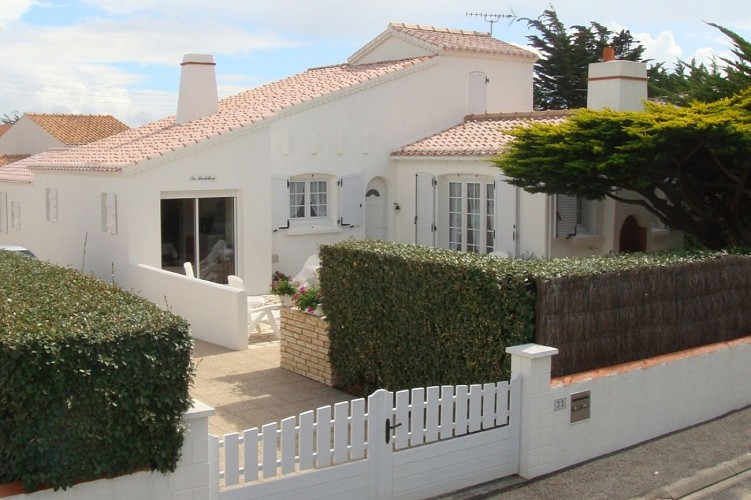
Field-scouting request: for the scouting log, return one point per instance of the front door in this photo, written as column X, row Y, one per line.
column 633, row 237
column 375, row 211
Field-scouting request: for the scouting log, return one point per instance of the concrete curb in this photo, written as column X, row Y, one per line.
column 703, row 479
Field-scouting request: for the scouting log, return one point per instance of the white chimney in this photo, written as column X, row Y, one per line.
column 618, row 85
column 198, row 95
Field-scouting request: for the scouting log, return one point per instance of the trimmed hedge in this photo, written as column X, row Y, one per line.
column 94, row 381
column 403, row 316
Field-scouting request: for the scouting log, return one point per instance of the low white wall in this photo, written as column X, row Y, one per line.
column 629, row 403
column 190, row 479
column 645, row 402
column 216, row 313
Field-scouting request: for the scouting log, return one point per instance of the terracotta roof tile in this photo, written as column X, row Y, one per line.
column 460, row 40
column 163, row 136
column 442, row 40
column 4, row 128
column 10, row 171
column 74, row 130
column 479, row 135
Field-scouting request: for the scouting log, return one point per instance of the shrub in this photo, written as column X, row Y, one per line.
column 94, row 381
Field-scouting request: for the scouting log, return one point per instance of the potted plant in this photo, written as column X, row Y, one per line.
column 283, row 286
column 309, row 300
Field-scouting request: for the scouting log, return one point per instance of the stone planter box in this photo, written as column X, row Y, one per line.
column 305, row 346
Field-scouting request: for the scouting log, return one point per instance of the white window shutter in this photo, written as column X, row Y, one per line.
column 351, row 199
column 565, row 216
column 279, row 202
column 478, row 93
column 51, row 204
column 425, row 209
column 505, row 217
column 109, row 213
column 3, row 213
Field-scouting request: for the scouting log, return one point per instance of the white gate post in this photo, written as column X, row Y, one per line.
column 531, row 363
column 192, row 477
column 380, row 458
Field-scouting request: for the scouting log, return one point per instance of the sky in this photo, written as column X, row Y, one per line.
column 122, row 57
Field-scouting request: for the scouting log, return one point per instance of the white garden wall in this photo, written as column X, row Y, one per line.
column 629, row 403
column 216, row 313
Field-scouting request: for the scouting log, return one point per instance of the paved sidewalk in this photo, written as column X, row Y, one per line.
column 249, row 389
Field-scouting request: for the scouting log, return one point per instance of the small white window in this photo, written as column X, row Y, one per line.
column 585, row 217
column 308, row 198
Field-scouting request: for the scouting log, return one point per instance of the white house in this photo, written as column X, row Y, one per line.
column 460, row 201
column 255, row 182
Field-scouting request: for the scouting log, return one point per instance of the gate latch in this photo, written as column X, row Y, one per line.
column 389, row 428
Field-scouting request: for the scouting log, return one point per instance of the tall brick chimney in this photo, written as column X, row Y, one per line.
column 198, row 95
column 618, row 85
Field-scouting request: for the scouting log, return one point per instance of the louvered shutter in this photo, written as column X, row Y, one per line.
column 351, row 198
column 477, row 93
column 425, row 209
column 565, row 216
column 279, row 202
column 505, row 217
column 3, row 213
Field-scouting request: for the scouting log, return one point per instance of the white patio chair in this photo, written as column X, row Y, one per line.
column 189, row 270
column 258, row 313
column 308, row 275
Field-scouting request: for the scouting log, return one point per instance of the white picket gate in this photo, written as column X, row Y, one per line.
column 412, row 444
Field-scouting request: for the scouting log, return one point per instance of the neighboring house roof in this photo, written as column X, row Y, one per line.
column 479, row 135
column 442, row 40
column 74, row 130
column 4, row 128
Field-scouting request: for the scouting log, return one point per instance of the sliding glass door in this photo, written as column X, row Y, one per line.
column 200, row 231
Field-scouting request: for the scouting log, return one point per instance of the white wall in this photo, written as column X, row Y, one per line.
column 25, row 137
column 216, row 313
column 189, row 480
column 630, row 403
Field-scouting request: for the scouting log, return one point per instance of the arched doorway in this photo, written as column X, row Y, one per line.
column 633, row 237
column 375, row 210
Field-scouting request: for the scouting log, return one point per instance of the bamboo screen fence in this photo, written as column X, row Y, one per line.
column 607, row 319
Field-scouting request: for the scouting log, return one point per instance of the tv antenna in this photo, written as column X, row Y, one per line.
column 490, row 18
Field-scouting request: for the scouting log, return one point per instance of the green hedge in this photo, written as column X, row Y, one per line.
column 94, row 381
column 404, row 316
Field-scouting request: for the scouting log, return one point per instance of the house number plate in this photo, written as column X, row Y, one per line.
column 559, row 404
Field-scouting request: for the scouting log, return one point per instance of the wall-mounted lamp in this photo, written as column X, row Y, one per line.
column 397, row 207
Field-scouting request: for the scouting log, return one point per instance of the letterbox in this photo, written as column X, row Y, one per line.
column 580, row 404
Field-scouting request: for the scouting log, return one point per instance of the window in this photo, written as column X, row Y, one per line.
column 471, row 206
column 308, row 199
column 585, row 217
column 200, row 231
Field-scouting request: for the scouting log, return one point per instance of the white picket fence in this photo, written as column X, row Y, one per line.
column 371, row 450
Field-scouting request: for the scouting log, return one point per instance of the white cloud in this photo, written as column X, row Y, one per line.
column 663, row 48
column 12, row 10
